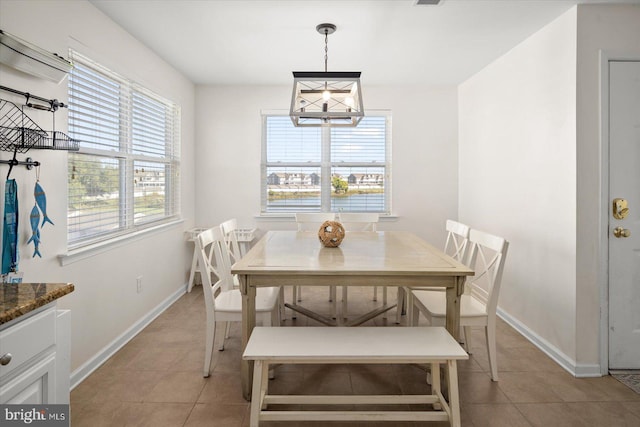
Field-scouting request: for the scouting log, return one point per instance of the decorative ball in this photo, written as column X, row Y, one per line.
column 331, row 234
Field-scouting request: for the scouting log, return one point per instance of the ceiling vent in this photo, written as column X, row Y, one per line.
column 427, row 2
column 24, row 56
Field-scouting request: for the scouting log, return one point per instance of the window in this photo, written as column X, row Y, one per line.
column 126, row 175
column 326, row 169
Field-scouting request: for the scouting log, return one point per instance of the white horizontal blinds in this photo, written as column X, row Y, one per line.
column 358, row 167
column 148, row 126
column 365, row 143
column 289, row 144
column 292, row 176
column 133, row 136
column 342, row 169
column 94, row 113
column 95, row 196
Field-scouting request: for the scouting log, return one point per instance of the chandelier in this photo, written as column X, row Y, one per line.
column 329, row 99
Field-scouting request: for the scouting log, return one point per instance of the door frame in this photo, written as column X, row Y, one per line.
column 603, row 273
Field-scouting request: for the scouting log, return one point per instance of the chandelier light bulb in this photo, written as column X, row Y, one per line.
column 326, row 95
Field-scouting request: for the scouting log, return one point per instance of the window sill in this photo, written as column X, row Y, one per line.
column 287, row 217
column 88, row 251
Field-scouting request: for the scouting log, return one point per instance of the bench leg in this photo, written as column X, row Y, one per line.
column 260, row 381
column 434, row 378
column 266, row 373
column 454, row 398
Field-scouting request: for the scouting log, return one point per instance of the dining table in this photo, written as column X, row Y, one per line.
column 383, row 258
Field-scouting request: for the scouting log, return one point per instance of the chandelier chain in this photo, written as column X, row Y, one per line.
column 326, row 48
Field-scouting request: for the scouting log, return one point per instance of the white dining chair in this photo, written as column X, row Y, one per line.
column 478, row 306
column 234, row 254
column 356, row 221
column 457, row 240
column 223, row 301
column 230, row 228
column 311, row 222
column 455, row 246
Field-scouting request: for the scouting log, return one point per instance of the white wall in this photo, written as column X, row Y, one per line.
column 424, row 154
column 105, row 303
column 615, row 30
column 517, row 172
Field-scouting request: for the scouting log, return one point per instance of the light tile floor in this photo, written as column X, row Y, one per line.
column 156, row 379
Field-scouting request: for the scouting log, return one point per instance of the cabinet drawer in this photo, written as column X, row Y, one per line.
column 27, row 339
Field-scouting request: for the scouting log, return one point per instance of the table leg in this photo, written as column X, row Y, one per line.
column 248, row 323
column 453, row 307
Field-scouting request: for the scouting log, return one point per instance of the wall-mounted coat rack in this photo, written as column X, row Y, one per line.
column 28, row 163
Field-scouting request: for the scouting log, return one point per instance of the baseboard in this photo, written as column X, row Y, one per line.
column 109, row 350
column 577, row 370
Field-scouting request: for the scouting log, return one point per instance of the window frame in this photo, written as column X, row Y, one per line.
column 133, row 98
column 325, row 165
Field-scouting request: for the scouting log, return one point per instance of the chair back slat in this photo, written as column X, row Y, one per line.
column 487, row 257
column 311, row 221
column 206, row 244
column 223, row 259
column 229, row 229
column 457, row 240
column 359, row 221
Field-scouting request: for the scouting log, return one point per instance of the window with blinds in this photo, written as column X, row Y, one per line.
column 126, row 175
column 326, row 169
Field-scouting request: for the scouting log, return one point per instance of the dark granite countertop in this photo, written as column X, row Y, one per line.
column 18, row 299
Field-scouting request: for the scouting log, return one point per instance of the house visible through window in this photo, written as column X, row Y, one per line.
column 323, row 169
column 125, row 176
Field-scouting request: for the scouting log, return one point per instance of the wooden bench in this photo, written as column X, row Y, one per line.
column 371, row 345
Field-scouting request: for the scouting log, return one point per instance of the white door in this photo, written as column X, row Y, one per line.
column 624, row 183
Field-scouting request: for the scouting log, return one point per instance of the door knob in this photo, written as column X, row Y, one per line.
column 5, row 359
column 621, row 232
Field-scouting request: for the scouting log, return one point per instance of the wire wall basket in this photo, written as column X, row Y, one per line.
column 18, row 133
column 57, row 140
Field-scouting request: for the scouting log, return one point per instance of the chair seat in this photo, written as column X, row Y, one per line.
column 231, row 301
column 436, row 303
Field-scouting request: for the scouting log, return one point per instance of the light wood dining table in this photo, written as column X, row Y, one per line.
column 385, row 258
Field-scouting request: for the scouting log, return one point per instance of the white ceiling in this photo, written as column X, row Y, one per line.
column 391, row 42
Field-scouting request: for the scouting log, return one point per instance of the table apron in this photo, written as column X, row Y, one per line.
column 260, row 280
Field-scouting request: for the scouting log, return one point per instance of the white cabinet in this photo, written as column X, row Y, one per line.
column 35, row 385
column 34, row 355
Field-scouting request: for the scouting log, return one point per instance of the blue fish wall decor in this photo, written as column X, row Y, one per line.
column 35, row 233
column 41, row 200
